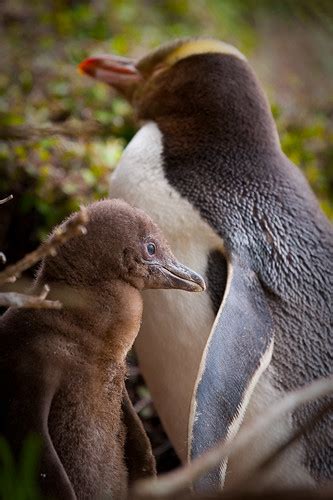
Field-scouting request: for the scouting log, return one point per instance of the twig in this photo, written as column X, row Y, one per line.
column 69, row 129
column 180, row 479
column 72, row 227
column 14, row 299
column 162, row 448
column 10, row 197
column 142, row 403
column 253, row 474
column 321, row 493
column 4, row 200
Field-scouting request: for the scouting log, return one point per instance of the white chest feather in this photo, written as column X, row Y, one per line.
column 176, row 324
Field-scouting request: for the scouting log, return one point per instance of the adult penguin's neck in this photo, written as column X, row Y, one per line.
column 216, row 101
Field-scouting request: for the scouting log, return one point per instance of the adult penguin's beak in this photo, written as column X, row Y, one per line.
column 173, row 274
column 119, row 72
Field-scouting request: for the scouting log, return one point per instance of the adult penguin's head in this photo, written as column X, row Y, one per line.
column 197, row 78
column 160, row 71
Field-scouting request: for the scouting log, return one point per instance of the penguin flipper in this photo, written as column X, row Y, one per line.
column 138, row 453
column 238, row 350
column 56, row 482
column 29, row 415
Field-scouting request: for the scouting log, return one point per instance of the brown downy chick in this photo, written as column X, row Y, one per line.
column 62, row 372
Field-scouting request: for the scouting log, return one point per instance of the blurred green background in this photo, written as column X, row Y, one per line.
column 62, row 133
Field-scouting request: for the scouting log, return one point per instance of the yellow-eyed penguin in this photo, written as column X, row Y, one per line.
column 208, row 166
column 62, row 372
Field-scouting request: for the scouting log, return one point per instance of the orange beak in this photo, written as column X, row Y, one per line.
column 119, row 72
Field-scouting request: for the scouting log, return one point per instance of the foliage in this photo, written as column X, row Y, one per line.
column 42, row 44
column 57, row 175
column 310, row 146
column 18, row 480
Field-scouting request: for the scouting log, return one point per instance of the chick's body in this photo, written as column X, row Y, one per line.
column 62, row 372
column 59, row 353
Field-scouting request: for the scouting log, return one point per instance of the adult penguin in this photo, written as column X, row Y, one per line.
column 208, row 167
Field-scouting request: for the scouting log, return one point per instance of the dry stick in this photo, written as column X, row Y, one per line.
column 69, row 129
column 10, row 197
column 14, row 299
column 2, row 255
column 180, row 479
column 71, row 228
column 142, row 403
column 253, row 475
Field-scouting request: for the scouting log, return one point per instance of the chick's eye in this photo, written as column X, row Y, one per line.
column 151, row 248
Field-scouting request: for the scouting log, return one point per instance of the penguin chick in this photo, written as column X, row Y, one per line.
column 62, row 372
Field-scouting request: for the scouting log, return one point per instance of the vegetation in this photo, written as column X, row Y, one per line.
column 18, row 481
column 51, row 174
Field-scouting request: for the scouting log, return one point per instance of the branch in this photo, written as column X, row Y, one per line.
column 181, row 479
column 14, row 299
column 142, row 403
column 69, row 129
column 10, row 197
column 3, row 259
column 69, row 229
column 253, row 474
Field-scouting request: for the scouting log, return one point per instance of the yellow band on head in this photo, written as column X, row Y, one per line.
column 201, row 46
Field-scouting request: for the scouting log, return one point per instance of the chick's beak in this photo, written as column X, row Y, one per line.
column 119, row 72
column 173, row 274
